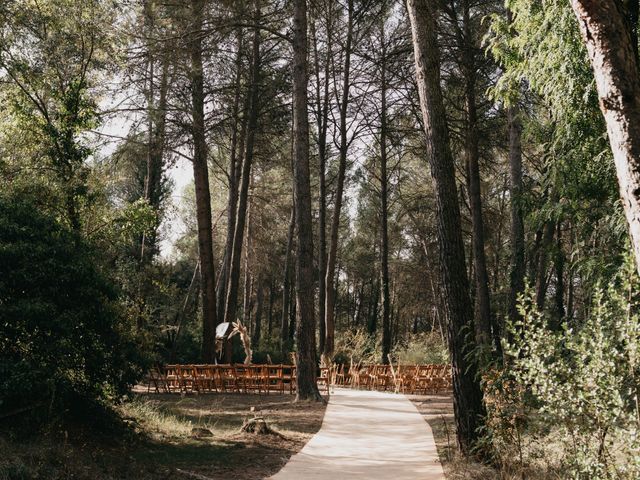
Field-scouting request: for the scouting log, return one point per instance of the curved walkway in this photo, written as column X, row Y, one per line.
column 367, row 435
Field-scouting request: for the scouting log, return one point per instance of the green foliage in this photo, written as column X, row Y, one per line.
column 50, row 55
column 357, row 345
column 584, row 380
column 362, row 347
column 572, row 176
column 542, row 46
column 61, row 333
column 421, row 348
column 267, row 346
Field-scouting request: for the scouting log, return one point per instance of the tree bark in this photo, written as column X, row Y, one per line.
column 232, row 203
column 248, row 279
column 252, row 125
column 612, row 54
column 322, row 115
column 518, row 266
column 270, row 311
column 246, row 301
column 156, row 117
column 201, row 180
column 384, row 213
column 342, row 168
column 305, row 321
column 468, row 406
column 372, row 317
column 257, row 322
column 285, row 344
column 482, row 295
column 559, row 264
column 543, row 261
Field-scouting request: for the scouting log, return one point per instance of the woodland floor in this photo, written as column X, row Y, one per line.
column 437, row 410
column 161, row 444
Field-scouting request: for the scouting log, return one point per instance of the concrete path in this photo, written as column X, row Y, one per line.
column 367, row 435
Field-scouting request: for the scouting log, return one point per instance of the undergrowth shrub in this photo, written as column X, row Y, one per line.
column 357, row 345
column 576, row 388
column 63, row 340
column 421, row 348
column 364, row 348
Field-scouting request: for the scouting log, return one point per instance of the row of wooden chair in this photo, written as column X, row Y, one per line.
column 260, row 379
column 412, row 379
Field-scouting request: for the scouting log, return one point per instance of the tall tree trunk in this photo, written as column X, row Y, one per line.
column 518, row 266
column 435, row 292
column 156, row 118
column 153, row 187
column 612, row 54
column 201, row 180
column 246, row 301
column 570, row 273
column 248, row 278
column 482, row 296
column 292, row 313
column 305, row 321
column 559, row 264
column 236, row 252
column 342, row 168
column 372, row 317
column 359, row 301
column 543, row 260
column 468, row 406
column 322, row 115
column 286, row 288
column 271, row 300
column 384, row 213
column 257, row 329
column 232, row 203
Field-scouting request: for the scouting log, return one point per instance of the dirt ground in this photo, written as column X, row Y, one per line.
column 170, row 439
column 437, row 410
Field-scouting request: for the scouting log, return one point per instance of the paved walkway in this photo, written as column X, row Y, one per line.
column 367, row 435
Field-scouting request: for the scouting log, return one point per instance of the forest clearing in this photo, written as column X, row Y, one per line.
column 312, row 239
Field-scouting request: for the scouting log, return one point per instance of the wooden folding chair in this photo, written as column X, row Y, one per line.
column 172, row 374
column 188, row 378
column 398, row 381
column 288, row 378
column 227, row 378
column 324, row 378
column 254, row 378
column 241, row 377
column 158, row 379
column 364, row 376
column 273, row 378
column 424, row 379
column 409, row 374
column 204, row 378
column 339, row 377
column 354, row 375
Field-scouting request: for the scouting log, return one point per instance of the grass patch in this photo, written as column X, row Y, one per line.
column 159, row 443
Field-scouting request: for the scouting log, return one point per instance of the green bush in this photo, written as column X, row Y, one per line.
column 582, row 383
column 357, row 345
column 61, row 335
column 421, row 348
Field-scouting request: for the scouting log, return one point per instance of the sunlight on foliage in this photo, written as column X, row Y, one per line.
column 582, row 381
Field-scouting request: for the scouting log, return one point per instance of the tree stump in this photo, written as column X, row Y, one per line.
column 198, row 432
column 258, row 426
